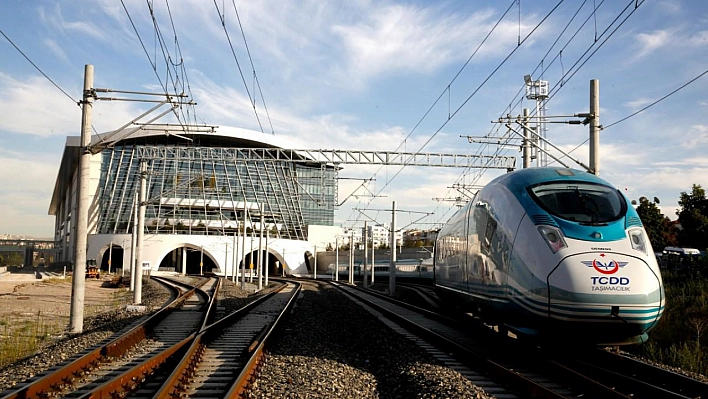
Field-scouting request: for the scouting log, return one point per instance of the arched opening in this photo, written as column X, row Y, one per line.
column 113, row 255
column 269, row 263
column 197, row 262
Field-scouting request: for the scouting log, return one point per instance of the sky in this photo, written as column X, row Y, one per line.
column 410, row 76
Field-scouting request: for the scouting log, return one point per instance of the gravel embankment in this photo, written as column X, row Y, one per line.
column 96, row 330
column 331, row 347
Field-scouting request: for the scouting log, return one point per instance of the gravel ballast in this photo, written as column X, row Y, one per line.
column 332, row 347
column 96, row 330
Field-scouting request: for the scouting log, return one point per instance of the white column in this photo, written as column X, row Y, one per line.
column 76, row 315
column 392, row 264
column 137, row 294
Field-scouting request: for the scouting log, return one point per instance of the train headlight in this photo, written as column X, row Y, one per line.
column 638, row 239
column 553, row 237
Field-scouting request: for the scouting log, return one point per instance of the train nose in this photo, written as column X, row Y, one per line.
column 605, row 287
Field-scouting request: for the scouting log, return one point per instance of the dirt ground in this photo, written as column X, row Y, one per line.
column 25, row 297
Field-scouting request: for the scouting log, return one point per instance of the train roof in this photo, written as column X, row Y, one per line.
column 520, row 179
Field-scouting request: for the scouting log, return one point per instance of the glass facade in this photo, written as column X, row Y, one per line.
column 207, row 190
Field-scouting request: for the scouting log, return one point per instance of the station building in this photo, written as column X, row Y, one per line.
column 209, row 196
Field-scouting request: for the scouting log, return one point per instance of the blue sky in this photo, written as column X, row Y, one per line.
column 361, row 75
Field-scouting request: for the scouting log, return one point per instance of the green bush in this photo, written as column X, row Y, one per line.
column 680, row 339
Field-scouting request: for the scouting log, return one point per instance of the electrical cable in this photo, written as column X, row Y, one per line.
column 578, row 64
column 478, row 88
column 657, row 101
column 446, row 89
column 253, row 68
column 222, row 18
column 38, row 69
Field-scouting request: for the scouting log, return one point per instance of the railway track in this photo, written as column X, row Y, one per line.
column 116, row 365
column 185, row 355
column 509, row 368
column 222, row 358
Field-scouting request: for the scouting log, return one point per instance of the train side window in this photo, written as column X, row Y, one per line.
column 489, row 233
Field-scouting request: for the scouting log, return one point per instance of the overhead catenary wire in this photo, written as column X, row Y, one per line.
column 446, row 89
column 479, row 87
column 78, row 103
column 39, row 69
column 582, row 60
column 153, row 63
column 253, row 68
column 566, row 76
column 184, row 70
column 655, row 102
column 172, row 75
column 520, row 43
column 222, row 19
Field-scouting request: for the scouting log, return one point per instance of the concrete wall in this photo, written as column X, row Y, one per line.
column 219, row 249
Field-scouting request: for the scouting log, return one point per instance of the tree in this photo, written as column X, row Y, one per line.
column 693, row 217
column 659, row 228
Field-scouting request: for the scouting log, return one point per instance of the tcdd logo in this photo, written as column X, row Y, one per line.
column 602, row 280
column 610, row 268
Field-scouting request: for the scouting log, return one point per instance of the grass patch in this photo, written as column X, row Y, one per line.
column 680, row 339
column 22, row 335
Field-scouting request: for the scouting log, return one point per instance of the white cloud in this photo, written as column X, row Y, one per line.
column 639, row 103
column 55, row 17
column 34, row 106
column 652, row 41
column 404, row 38
column 24, row 209
column 696, row 136
column 56, row 49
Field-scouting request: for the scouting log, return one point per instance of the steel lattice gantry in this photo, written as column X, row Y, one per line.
column 330, row 156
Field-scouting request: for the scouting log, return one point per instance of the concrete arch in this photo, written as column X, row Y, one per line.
column 115, row 254
column 271, row 256
column 187, row 256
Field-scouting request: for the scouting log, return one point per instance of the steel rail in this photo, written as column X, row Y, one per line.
column 43, row 386
column 126, row 382
column 177, row 384
column 473, row 357
column 257, row 350
column 641, row 379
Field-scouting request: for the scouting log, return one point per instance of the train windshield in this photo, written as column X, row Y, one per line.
column 582, row 202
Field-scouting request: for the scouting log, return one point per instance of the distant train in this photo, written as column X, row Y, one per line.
column 553, row 253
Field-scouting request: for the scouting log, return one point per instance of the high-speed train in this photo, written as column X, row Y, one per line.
column 552, row 253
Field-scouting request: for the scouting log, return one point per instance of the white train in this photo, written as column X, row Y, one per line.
column 553, row 253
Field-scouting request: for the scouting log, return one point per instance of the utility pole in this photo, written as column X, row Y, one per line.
column 260, row 254
column 137, row 294
column 267, row 257
column 133, row 243
column 235, row 255
column 373, row 261
column 243, row 246
column 366, row 254
column 351, row 257
column 595, row 126
column 534, row 137
column 78, row 285
column 527, row 138
column 392, row 264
